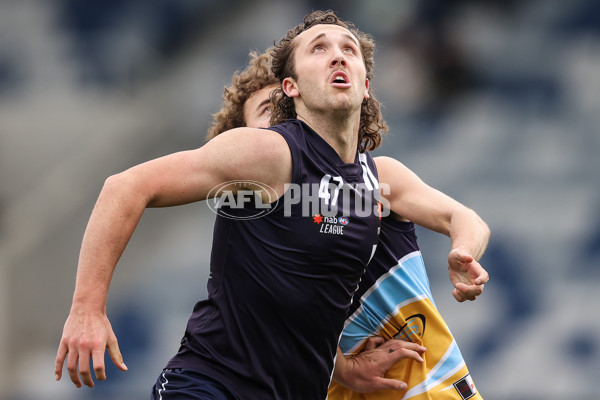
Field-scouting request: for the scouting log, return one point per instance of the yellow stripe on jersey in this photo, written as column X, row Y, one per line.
column 419, row 321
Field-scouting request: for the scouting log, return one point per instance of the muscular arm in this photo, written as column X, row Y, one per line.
column 411, row 198
column 241, row 154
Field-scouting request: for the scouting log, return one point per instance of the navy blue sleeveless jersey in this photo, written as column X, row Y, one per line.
column 281, row 285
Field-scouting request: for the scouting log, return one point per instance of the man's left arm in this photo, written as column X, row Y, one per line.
column 411, row 198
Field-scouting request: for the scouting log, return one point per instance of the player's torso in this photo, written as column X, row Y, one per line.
column 283, row 274
column 318, row 236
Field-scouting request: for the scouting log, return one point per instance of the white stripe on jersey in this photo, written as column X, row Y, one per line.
column 368, row 176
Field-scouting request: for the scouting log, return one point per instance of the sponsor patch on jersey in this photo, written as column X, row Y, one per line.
column 331, row 225
column 465, row 387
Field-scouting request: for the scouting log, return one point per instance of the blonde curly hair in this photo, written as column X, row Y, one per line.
column 256, row 76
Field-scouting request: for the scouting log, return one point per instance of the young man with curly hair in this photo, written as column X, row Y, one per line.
column 280, row 285
column 394, row 300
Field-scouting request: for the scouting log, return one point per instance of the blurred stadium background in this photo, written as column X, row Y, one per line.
column 496, row 103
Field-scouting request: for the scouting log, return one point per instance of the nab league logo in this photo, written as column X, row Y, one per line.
column 331, row 225
column 238, row 195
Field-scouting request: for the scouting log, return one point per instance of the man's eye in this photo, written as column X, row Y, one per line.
column 350, row 50
column 318, row 48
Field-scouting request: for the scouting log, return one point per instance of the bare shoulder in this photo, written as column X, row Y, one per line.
column 396, row 179
column 389, row 168
column 384, row 162
column 255, row 141
column 249, row 153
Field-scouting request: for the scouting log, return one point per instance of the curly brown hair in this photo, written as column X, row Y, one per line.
column 372, row 125
column 253, row 78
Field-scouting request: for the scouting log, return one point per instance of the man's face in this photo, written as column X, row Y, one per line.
column 331, row 74
column 257, row 109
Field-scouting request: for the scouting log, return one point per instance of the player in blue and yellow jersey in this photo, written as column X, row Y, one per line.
column 394, row 301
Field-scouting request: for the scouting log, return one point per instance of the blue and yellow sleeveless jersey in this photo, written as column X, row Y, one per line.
column 394, row 300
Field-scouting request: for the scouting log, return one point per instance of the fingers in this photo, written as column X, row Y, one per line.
column 457, row 296
column 374, row 342
column 484, row 277
column 61, row 355
column 98, row 363
column 479, row 275
column 397, row 344
column 468, row 278
column 469, row 290
column 368, row 368
column 78, row 363
column 84, row 367
column 464, row 292
column 403, row 349
column 86, row 336
column 72, row 367
column 391, row 384
column 115, row 355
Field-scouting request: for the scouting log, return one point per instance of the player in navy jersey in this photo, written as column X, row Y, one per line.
column 397, row 263
column 246, row 102
column 409, row 197
column 280, row 284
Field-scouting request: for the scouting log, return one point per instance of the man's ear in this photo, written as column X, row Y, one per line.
column 367, row 95
column 289, row 87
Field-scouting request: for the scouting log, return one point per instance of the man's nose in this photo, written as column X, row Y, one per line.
column 338, row 59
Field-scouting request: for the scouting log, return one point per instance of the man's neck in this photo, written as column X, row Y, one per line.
column 341, row 134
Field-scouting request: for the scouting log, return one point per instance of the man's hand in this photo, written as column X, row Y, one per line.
column 364, row 372
column 466, row 274
column 87, row 336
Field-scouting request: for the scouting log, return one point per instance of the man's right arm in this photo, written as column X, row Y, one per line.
column 241, row 154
